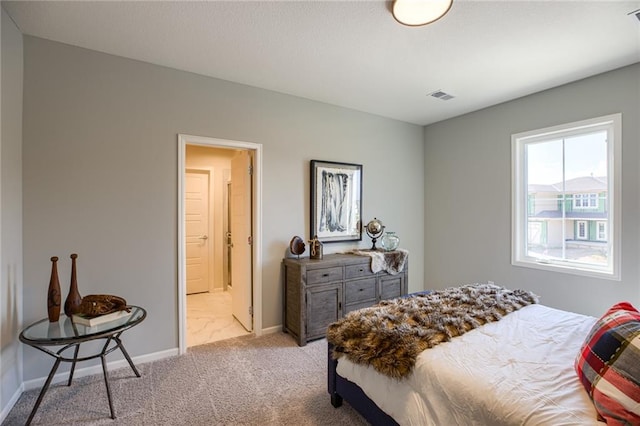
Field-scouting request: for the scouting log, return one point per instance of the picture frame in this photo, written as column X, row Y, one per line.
column 336, row 201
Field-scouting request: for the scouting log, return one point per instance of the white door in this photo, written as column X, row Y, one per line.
column 197, row 231
column 241, row 243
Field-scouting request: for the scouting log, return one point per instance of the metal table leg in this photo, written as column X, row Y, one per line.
column 43, row 391
column 126, row 355
column 73, row 364
column 103, row 357
column 106, row 382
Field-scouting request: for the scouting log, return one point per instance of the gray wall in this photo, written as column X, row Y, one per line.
column 100, row 177
column 11, row 213
column 468, row 192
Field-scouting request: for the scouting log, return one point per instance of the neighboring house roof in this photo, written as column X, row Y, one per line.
column 583, row 184
column 536, row 187
column 557, row 214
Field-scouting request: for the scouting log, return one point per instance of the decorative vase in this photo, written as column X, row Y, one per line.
column 316, row 248
column 53, row 294
column 390, row 241
column 74, row 299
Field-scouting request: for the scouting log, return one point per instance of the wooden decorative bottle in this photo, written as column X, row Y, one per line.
column 53, row 294
column 74, row 299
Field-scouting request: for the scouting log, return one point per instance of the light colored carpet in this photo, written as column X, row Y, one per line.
column 268, row 380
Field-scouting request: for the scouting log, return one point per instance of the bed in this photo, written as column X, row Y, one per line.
column 518, row 369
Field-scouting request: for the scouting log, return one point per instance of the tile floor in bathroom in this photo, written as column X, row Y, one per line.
column 209, row 318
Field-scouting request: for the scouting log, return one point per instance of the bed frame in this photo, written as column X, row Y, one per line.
column 342, row 389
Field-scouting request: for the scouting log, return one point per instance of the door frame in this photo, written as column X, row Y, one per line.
column 183, row 141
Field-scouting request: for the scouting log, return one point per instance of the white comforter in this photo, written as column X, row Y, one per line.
column 516, row 371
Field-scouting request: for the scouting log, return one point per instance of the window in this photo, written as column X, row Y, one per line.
column 566, row 198
column 585, row 201
column 602, row 231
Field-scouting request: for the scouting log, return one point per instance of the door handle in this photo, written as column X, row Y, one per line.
column 203, row 237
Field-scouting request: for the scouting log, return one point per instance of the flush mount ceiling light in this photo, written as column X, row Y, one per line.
column 419, row 12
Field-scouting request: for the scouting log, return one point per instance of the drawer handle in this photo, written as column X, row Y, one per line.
column 325, row 275
column 361, row 270
column 361, row 289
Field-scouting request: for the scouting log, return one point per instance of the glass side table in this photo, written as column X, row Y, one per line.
column 68, row 334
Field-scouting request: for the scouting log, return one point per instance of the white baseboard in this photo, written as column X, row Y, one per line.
column 97, row 369
column 7, row 409
column 272, row 330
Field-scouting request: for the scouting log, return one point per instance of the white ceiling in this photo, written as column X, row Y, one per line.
column 353, row 53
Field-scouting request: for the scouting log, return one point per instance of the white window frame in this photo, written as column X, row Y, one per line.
column 613, row 125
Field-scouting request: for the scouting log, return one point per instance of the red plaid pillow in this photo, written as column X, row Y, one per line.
column 608, row 365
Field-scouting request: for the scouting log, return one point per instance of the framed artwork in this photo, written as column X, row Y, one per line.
column 336, row 201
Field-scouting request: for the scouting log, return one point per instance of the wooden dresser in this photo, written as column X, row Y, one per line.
column 319, row 292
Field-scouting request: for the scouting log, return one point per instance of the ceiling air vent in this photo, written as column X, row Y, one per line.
column 441, row 95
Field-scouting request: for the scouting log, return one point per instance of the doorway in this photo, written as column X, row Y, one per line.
column 219, row 227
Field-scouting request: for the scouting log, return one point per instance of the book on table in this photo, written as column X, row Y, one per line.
column 100, row 319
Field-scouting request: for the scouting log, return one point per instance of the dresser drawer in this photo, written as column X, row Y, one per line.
column 360, row 290
column 356, row 306
column 391, row 286
column 324, row 275
column 358, row 271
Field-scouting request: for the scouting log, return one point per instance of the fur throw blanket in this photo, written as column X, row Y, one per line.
column 388, row 261
column 390, row 335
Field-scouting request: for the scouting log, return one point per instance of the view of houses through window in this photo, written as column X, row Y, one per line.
column 567, row 196
column 564, row 178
